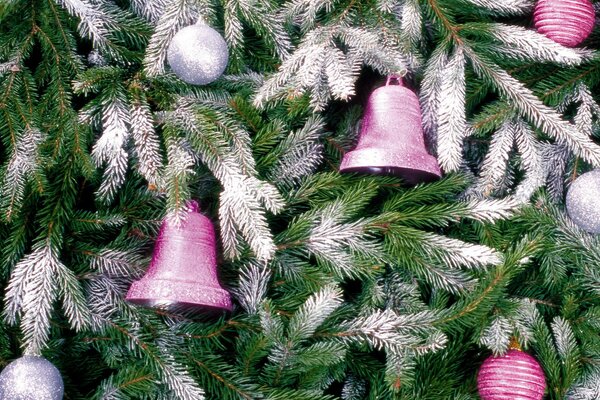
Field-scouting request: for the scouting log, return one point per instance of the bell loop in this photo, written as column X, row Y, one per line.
column 392, row 78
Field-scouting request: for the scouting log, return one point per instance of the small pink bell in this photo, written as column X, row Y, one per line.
column 567, row 22
column 391, row 138
column 183, row 271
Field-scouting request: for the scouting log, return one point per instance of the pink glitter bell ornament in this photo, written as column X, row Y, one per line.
column 515, row 376
column 391, row 137
column 183, row 271
column 567, row 22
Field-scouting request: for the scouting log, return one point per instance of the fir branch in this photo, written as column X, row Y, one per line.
column 109, row 148
column 171, row 372
column 152, row 10
column 22, row 168
column 177, row 174
column 568, row 351
column 389, row 330
column 532, row 161
column 451, row 113
column 494, row 166
column 447, row 251
column 337, row 244
column 315, row 66
column 411, row 22
column 145, row 139
column 105, row 295
column 244, row 197
column 304, row 12
column 94, row 22
column 430, row 90
column 529, row 45
column 556, row 158
column 252, row 288
column 261, row 15
column 354, row 389
column 587, row 387
column 300, row 153
column 116, row 262
column 491, row 211
column 315, row 310
column 504, row 7
column 497, row 335
column 535, row 111
column 228, row 377
column 178, row 379
column 36, row 282
column 271, row 322
column 124, row 385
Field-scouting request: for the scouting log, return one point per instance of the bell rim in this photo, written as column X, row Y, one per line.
column 177, row 306
column 413, row 170
column 402, row 172
column 160, row 293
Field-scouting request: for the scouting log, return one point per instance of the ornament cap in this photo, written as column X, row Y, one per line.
column 514, row 344
column 193, row 206
column 394, row 78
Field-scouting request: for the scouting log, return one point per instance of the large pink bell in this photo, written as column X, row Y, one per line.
column 391, row 138
column 183, row 271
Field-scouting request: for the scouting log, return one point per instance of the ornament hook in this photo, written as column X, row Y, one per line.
column 392, row 78
column 397, row 76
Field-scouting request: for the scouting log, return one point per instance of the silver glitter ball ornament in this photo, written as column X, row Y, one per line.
column 31, row 378
column 198, row 54
column 583, row 201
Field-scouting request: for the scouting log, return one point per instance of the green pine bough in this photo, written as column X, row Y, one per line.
column 346, row 286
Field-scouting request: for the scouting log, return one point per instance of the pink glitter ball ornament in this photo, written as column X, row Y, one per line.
column 567, row 22
column 515, row 376
column 391, row 138
column 183, row 272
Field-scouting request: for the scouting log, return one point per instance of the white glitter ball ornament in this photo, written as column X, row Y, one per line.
column 31, row 378
column 198, row 54
column 583, row 201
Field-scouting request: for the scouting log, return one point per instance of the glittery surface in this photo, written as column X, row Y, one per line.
column 515, row 376
column 183, row 270
column 568, row 22
column 583, row 201
column 198, row 54
column 31, row 378
column 391, row 138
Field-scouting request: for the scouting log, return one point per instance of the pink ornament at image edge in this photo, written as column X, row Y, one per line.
column 515, row 375
column 183, row 269
column 567, row 22
column 391, row 138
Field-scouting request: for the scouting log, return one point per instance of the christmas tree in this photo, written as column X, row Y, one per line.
column 372, row 283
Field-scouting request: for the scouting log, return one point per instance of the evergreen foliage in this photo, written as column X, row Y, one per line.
column 345, row 286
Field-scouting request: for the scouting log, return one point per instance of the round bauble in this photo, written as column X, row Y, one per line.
column 567, row 22
column 515, row 376
column 583, row 201
column 31, row 378
column 198, row 54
